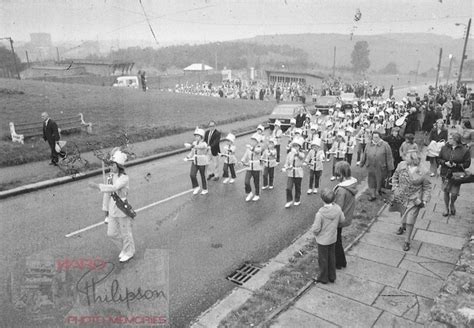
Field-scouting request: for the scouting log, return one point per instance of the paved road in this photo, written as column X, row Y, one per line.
column 207, row 236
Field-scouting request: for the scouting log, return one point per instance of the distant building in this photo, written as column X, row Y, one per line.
column 197, row 68
column 297, row 77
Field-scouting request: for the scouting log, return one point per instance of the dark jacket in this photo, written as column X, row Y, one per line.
column 214, row 142
column 430, row 119
column 412, row 123
column 51, row 132
column 395, row 143
column 434, row 135
column 345, row 198
column 460, row 156
column 300, row 120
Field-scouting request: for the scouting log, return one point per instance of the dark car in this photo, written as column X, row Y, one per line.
column 323, row 103
column 285, row 112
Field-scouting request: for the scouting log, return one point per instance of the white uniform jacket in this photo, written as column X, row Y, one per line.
column 269, row 157
column 251, row 158
column 120, row 185
column 228, row 154
column 315, row 159
column 294, row 164
column 339, row 149
column 199, row 153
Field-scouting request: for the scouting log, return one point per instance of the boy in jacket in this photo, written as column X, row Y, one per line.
column 324, row 227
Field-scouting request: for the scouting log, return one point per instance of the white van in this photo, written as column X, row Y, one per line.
column 127, row 81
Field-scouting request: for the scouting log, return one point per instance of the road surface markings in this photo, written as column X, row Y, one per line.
column 139, row 210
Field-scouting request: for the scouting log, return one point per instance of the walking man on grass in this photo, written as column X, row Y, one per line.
column 51, row 135
column 213, row 137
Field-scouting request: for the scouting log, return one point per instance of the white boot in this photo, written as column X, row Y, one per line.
column 315, row 190
column 249, row 197
column 231, row 180
column 256, row 198
column 309, row 191
column 196, row 190
column 204, row 192
column 226, row 180
column 287, row 205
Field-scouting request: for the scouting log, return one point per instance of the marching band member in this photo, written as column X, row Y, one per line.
column 363, row 138
column 339, row 149
column 351, row 143
column 296, row 136
column 277, row 134
column 306, row 131
column 290, row 132
column 294, row 168
column 119, row 227
column 327, row 138
column 269, row 162
column 199, row 158
column 228, row 154
column 251, row 160
column 314, row 160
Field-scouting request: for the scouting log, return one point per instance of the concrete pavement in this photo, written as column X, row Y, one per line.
column 383, row 286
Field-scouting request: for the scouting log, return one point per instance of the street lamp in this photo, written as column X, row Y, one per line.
column 464, row 49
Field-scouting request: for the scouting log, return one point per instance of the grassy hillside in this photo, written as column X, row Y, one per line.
column 403, row 49
column 112, row 111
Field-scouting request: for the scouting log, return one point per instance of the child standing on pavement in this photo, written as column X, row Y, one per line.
column 228, row 154
column 251, row 160
column 269, row 162
column 294, row 168
column 324, row 227
column 199, row 158
column 315, row 159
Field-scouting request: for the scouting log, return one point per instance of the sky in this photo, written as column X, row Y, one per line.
column 219, row 20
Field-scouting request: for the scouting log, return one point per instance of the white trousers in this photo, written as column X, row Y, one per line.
column 213, row 167
column 120, row 231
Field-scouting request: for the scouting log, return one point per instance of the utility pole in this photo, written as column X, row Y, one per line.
column 27, row 58
column 439, row 66
column 464, row 51
column 334, row 64
column 57, row 53
column 449, row 69
column 14, row 57
column 417, row 71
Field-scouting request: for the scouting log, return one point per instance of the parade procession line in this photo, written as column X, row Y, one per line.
column 98, row 224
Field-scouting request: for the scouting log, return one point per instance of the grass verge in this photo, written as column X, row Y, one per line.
column 114, row 113
column 285, row 284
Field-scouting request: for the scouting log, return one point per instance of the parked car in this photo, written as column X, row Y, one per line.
column 285, row 112
column 412, row 92
column 323, row 103
column 127, row 82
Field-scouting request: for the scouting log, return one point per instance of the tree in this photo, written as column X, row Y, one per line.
column 391, row 68
column 7, row 64
column 360, row 57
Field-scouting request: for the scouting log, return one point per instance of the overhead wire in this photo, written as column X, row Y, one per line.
column 148, row 21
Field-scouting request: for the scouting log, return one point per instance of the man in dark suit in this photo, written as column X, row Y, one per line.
column 213, row 137
column 51, row 135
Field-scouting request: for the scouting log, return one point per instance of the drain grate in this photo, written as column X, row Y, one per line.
column 244, row 273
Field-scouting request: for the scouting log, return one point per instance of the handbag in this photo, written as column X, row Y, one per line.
column 124, row 206
column 462, row 177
